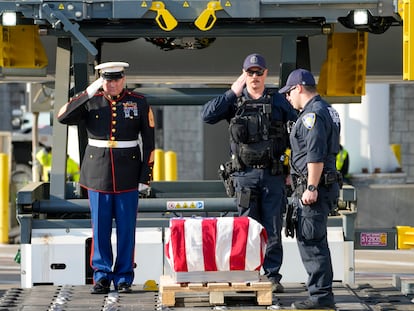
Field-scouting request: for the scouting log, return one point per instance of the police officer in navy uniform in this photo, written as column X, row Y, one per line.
column 314, row 141
column 259, row 184
column 115, row 164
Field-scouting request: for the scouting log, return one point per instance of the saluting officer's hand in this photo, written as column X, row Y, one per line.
column 238, row 85
column 94, row 87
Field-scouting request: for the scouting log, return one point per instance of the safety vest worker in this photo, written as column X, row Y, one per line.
column 342, row 161
column 45, row 159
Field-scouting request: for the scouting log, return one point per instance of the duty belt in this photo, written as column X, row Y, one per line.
column 100, row 143
column 327, row 178
column 259, row 166
column 298, row 180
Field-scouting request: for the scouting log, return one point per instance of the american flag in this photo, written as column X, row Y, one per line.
column 215, row 244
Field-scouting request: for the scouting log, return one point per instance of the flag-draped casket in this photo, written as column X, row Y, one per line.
column 215, row 244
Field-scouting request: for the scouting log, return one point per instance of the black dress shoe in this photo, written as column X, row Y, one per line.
column 309, row 305
column 101, row 287
column 124, row 288
column 277, row 287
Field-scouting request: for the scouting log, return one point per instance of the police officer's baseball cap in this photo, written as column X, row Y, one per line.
column 298, row 76
column 254, row 60
column 112, row 70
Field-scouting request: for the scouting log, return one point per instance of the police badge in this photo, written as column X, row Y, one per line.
column 308, row 120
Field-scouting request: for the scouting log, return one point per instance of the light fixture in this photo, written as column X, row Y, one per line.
column 363, row 20
column 9, row 19
column 360, row 17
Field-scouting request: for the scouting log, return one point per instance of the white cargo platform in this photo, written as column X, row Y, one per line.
column 59, row 257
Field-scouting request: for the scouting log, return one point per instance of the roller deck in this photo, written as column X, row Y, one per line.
column 377, row 295
column 384, row 281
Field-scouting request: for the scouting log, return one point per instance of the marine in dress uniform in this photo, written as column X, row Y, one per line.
column 115, row 163
column 260, row 191
column 314, row 140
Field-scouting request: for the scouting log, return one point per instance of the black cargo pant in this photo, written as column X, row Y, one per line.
column 311, row 234
column 266, row 204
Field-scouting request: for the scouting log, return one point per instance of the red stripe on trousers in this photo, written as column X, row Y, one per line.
column 178, row 242
column 239, row 243
column 209, row 233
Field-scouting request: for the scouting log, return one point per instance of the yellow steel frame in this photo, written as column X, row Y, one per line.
column 408, row 39
column 343, row 73
column 20, row 47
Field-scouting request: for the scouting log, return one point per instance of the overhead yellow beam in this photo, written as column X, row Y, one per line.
column 21, row 51
column 408, row 39
column 344, row 71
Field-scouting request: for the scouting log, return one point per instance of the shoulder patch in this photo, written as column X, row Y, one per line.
column 308, row 120
column 334, row 115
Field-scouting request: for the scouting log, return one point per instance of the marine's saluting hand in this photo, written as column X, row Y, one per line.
column 94, row 87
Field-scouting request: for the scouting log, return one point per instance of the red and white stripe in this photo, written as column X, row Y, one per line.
column 215, row 244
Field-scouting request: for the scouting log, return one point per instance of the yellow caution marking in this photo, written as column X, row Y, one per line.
column 61, row 6
column 144, row 4
column 186, row 4
column 228, row 3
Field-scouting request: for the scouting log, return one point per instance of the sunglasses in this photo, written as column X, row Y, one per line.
column 258, row 73
column 290, row 90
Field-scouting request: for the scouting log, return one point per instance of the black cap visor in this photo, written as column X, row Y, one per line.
column 113, row 75
column 285, row 89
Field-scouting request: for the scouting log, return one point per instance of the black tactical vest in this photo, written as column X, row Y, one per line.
column 257, row 138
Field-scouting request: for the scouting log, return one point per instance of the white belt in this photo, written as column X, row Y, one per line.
column 112, row 143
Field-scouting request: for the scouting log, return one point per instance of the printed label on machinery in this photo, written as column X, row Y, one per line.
column 176, row 205
column 373, row 239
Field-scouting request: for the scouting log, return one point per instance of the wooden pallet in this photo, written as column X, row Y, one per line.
column 168, row 288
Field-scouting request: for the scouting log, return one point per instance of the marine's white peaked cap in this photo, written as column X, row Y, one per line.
column 112, row 67
column 112, row 70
